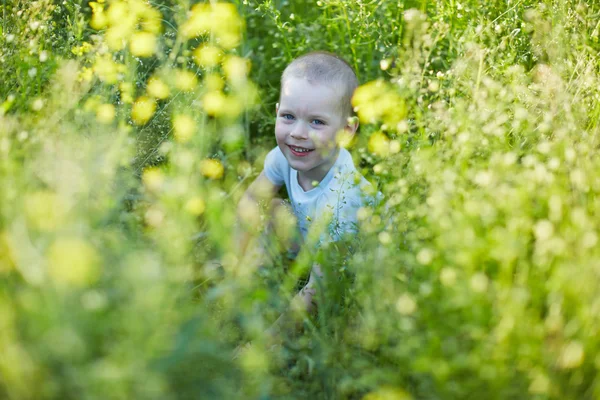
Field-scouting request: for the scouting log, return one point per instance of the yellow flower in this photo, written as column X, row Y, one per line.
column 228, row 40
column 227, row 25
column 157, row 88
column 86, row 74
column 106, row 69
column 222, row 19
column 214, row 103
column 184, row 127
column 207, row 56
column 200, row 21
column 118, row 12
column 126, row 89
column 377, row 101
column 83, row 49
column 153, row 178
column 142, row 44
column 236, row 69
column 213, row 82
column 116, row 37
column 105, row 113
column 211, row 168
column 379, row 144
column 195, row 205
column 73, row 261
column 92, row 103
column 143, row 109
column 151, row 20
column 185, row 80
column 99, row 19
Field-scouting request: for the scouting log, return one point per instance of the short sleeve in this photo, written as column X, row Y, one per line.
column 275, row 166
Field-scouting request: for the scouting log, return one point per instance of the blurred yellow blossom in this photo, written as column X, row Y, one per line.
column 406, row 305
column 207, row 56
column 222, row 19
column 44, row 210
column 572, row 355
column 379, row 144
column 199, row 21
column 153, row 178
column 448, row 276
column 385, row 238
column 234, row 107
column 105, row 113
column 154, row 216
column 143, row 109
column 151, row 20
column 92, row 103
column 126, row 89
column 157, row 88
column 195, row 205
column 236, row 69
column 211, row 168
column 479, row 282
column 99, row 19
column 73, row 261
column 377, row 101
column 184, row 127
column 84, row 48
column 214, row 103
column 118, row 12
column 213, row 82
column 116, row 37
column 143, row 44
column 227, row 25
column 86, row 74
column 185, row 80
column 106, row 69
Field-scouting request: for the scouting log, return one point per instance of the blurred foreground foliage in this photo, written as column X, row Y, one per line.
column 129, row 129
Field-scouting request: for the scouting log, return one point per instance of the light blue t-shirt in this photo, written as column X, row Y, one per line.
column 341, row 192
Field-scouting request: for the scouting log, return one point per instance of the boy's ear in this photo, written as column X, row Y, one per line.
column 276, row 108
column 351, row 125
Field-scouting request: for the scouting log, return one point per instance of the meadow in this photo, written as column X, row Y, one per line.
column 129, row 129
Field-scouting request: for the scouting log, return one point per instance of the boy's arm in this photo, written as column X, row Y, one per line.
column 303, row 302
column 248, row 209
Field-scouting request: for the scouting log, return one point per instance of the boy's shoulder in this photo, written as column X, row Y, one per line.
column 349, row 182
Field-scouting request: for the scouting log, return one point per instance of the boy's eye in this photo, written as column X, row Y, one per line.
column 318, row 122
column 288, row 116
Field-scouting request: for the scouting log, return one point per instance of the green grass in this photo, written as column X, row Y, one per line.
column 478, row 279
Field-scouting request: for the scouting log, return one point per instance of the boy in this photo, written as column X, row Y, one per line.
column 321, row 180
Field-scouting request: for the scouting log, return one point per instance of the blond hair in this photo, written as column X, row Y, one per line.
column 326, row 68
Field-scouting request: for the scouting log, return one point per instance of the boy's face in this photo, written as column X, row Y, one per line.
column 309, row 116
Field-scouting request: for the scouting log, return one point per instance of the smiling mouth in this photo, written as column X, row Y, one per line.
column 300, row 151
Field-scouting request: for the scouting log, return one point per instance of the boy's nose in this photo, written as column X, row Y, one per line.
column 299, row 132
